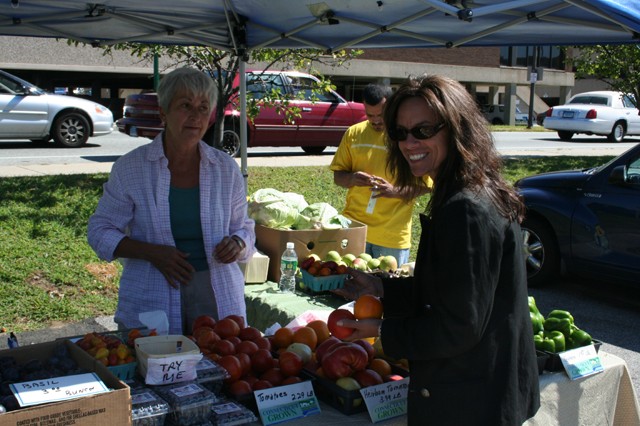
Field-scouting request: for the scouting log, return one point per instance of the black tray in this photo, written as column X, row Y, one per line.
column 554, row 363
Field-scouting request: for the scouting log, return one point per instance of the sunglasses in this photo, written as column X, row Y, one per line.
column 399, row 134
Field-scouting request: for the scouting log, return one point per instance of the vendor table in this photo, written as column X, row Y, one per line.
column 606, row 398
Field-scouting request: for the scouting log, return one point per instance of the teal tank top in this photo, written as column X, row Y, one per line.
column 184, row 211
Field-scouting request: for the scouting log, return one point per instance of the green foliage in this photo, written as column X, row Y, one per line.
column 616, row 65
column 48, row 272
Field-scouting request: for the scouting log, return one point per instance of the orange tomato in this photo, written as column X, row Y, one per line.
column 367, row 306
column 321, row 329
column 283, row 337
column 306, row 335
column 380, row 366
column 323, row 272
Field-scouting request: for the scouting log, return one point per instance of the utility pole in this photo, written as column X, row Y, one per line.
column 533, row 77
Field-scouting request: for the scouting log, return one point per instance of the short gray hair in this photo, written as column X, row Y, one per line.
column 190, row 80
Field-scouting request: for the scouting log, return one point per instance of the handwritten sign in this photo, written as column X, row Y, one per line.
column 57, row 389
column 581, row 362
column 172, row 369
column 284, row 403
column 387, row 400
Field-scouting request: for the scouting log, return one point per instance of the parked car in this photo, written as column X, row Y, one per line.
column 605, row 113
column 28, row 112
column 324, row 117
column 587, row 221
column 497, row 114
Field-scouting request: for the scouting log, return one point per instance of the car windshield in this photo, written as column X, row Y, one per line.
column 18, row 85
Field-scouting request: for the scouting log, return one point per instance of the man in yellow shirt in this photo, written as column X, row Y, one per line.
column 360, row 165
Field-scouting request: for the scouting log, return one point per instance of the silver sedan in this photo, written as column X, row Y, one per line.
column 28, row 112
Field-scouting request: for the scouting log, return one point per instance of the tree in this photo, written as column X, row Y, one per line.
column 223, row 66
column 616, row 65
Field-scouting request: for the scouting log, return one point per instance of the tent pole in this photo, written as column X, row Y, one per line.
column 243, row 118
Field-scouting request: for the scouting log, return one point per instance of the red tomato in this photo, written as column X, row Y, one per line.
column 261, row 360
column 238, row 320
column 240, row 388
column 247, row 347
column 336, row 330
column 203, row 321
column 235, row 340
column 273, row 376
column 263, row 343
column 224, row 347
column 226, row 328
column 290, row 363
column 233, row 367
column 261, row 384
column 245, row 362
column 291, row 380
column 249, row 333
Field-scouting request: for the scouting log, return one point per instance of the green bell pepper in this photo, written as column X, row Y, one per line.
column 537, row 322
column 580, row 338
column 559, row 313
column 558, row 339
column 537, row 341
column 547, row 345
column 558, row 324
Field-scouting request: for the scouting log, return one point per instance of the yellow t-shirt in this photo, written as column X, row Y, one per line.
column 362, row 149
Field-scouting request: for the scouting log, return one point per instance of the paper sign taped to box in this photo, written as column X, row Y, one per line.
column 172, row 369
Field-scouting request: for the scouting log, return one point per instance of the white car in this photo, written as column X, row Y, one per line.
column 496, row 114
column 606, row 113
column 28, row 112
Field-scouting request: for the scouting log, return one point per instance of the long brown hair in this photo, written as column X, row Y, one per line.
column 472, row 160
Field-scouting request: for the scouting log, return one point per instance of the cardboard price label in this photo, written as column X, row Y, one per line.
column 387, row 400
column 172, row 369
column 581, row 362
column 57, row 389
column 283, row 403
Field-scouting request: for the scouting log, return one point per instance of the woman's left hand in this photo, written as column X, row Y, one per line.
column 228, row 250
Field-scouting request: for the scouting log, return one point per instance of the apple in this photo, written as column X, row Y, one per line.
column 365, row 256
column 388, row 263
column 349, row 384
column 367, row 378
column 373, row 264
column 333, row 255
column 344, row 360
column 359, row 264
column 368, row 347
column 339, row 331
column 348, row 259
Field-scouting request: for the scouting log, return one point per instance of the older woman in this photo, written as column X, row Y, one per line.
column 462, row 321
column 175, row 212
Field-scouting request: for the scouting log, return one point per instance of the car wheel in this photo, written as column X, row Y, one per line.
column 541, row 252
column 617, row 133
column 230, row 142
column 565, row 136
column 70, row 130
column 313, row 150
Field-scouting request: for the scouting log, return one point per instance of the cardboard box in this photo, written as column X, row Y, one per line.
column 111, row 408
column 255, row 271
column 273, row 242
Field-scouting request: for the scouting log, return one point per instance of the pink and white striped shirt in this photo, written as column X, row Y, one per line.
column 135, row 203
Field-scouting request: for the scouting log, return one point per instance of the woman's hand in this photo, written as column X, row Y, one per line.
column 360, row 283
column 172, row 263
column 228, row 250
column 363, row 328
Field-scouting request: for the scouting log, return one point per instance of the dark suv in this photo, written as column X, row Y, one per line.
column 324, row 117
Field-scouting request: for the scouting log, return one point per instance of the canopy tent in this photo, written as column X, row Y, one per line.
column 243, row 25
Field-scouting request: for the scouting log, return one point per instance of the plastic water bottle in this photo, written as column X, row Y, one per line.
column 288, row 268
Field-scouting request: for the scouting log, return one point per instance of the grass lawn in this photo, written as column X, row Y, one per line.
column 49, row 274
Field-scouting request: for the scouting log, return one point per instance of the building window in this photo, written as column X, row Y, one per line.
column 523, row 56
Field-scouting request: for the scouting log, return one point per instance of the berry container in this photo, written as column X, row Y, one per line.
column 325, row 283
column 229, row 413
column 147, row 408
column 190, row 402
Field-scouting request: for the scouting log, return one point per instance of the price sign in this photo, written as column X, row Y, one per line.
column 283, row 403
column 581, row 362
column 172, row 369
column 387, row 400
column 57, row 389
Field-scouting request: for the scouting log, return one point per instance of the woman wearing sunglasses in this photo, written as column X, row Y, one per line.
column 462, row 321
